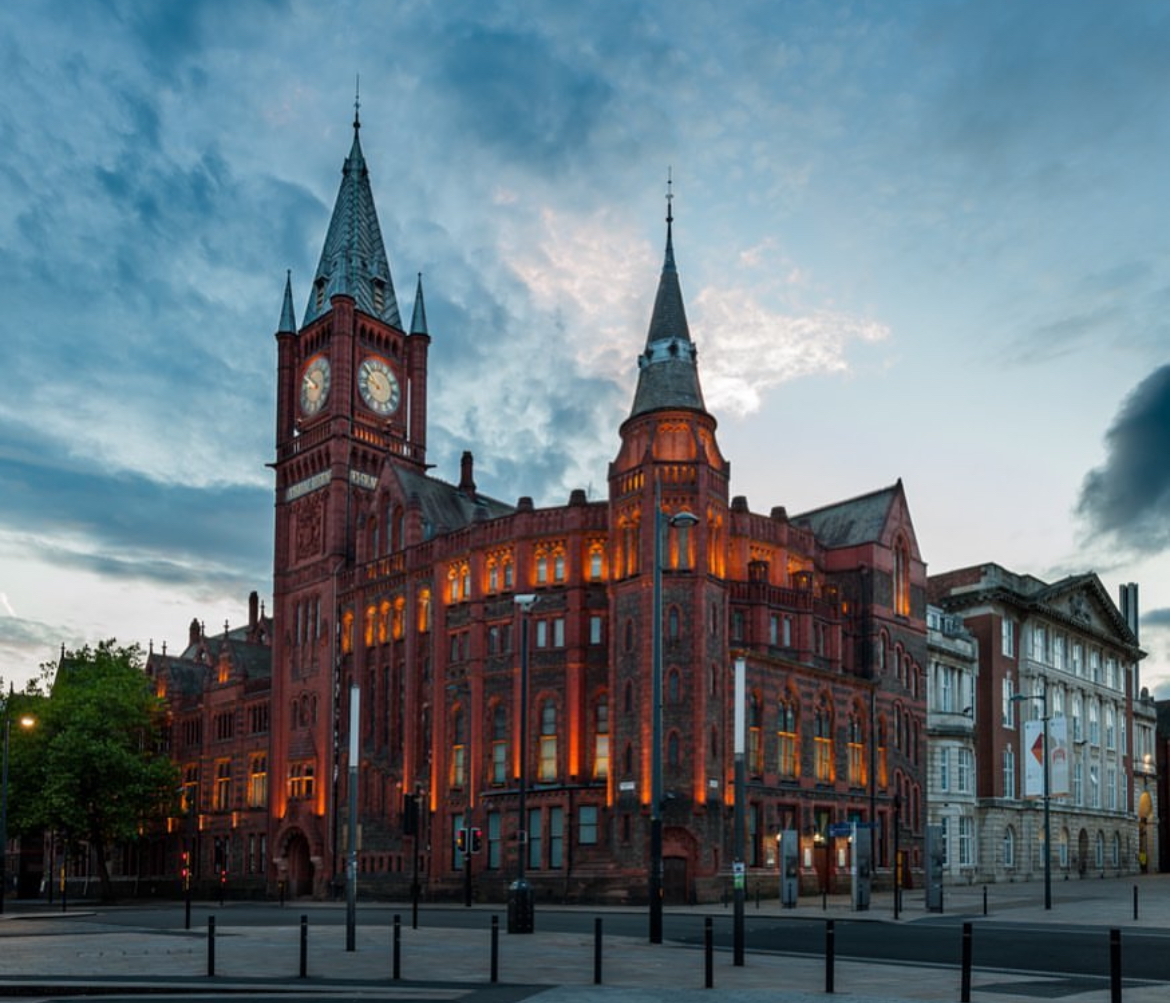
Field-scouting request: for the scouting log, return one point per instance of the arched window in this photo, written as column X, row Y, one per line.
column 673, row 687
column 823, row 742
column 901, row 578
column 672, row 750
column 424, row 611
column 1009, row 847
column 856, row 745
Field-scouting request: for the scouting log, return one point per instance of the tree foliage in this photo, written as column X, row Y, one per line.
column 103, row 772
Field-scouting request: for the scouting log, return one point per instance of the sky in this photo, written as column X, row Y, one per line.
column 916, row 240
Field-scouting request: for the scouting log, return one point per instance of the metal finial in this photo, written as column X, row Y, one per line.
column 669, row 195
column 357, row 102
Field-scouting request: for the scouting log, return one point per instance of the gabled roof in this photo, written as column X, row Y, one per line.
column 445, row 508
column 668, row 372
column 353, row 261
column 849, row 523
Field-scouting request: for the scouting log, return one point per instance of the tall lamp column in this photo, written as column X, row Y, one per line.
column 521, row 899
column 682, row 519
column 1046, row 789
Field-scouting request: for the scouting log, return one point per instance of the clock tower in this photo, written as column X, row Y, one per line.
column 351, row 397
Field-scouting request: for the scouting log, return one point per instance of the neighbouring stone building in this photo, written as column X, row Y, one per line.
column 1063, row 651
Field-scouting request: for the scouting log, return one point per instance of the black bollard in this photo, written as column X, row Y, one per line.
column 495, row 949
column 830, row 952
column 985, row 900
column 210, row 946
column 965, row 990
column 597, row 951
column 304, row 946
column 1135, row 903
column 1115, row 966
column 397, row 947
column 708, row 952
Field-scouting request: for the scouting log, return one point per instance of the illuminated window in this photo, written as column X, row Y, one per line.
column 458, row 750
column 856, row 744
column 225, row 670
column 493, row 572
column 398, row 616
column 558, row 565
column 901, row 579
column 596, row 562
column 499, row 745
column 223, row 784
column 541, row 567
column 547, row 769
column 601, row 740
column 370, row 624
column 424, row 611
column 823, row 743
column 755, row 747
column 258, row 781
column 347, row 632
column 190, row 794
column 883, row 754
column 300, row 780
column 788, row 742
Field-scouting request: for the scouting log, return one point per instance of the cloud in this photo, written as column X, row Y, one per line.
column 1129, row 495
column 1158, row 619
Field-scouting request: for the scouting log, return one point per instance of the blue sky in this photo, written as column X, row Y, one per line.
column 921, row 240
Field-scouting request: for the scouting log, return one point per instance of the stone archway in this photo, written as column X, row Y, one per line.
column 299, row 865
column 1082, row 852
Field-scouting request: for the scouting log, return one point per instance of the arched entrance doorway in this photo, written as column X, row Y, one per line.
column 300, row 865
column 1082, row 853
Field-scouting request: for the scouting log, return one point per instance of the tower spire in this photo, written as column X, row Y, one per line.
column 288, row 318
column 353, row 260
column 668, row 376
column 418, row 319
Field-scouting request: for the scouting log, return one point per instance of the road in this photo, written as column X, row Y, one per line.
column 1067, row 948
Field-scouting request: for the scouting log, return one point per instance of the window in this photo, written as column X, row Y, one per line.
column 542, row 633
column 223, row 784
column 788, row 748
column 1039, row 643
column 1094, row 724
column 595, row 630
column 823, row 743
column 587, row 825
column 1100, row 850
column 556, row 837
column 1078, row 782
column 1062, row 848
column 1110, row 726
column 1007, row 637
column 1078, row 659
column 499, row 745
column 856, row 748
column 1007, row 713
column 944, row 769
column 457, row 825
column 300, row 781
column 535, row 839
column 755, row 746
column 1077, row 713
column 1111, row 788
column 493, row 840
column 601, row 740
column 966, row 841
column 966, row 771
column 596, row 562
column 1009, row 773
column 901, row 579
column 1094, row 786
column 458, row 750
column 548, row 742
column 1009, row 847
column 558, row 632
column 258, row 781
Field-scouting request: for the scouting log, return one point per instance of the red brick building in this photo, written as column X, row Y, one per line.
column 403, row 584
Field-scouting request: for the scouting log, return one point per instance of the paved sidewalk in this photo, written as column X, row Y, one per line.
column 45, row 951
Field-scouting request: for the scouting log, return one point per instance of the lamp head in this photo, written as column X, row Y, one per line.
column 526, row 601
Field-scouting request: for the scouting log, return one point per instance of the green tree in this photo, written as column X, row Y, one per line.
column 104, row 775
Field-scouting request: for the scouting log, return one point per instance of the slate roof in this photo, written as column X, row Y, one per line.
column 354, row 257
column 444, row 507
column 668, row 374
column 849, row 523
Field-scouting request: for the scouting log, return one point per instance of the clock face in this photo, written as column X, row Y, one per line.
column 315, row 385
column 378, row 385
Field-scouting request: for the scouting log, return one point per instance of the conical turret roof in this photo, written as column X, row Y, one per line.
column 668, row 373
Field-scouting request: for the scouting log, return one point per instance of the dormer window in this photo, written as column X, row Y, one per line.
column 379, row 295
column 320, row 292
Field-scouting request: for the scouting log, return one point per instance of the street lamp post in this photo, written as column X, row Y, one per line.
column 521, row 900
column 1046, row 766
column 25, row 722
column 655, row 883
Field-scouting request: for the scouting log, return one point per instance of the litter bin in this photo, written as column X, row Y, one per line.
column 521, row 907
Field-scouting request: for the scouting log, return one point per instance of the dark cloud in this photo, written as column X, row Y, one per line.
column 1157, row 618
column 512, row 90
column 133, row 527
column 1129, row 496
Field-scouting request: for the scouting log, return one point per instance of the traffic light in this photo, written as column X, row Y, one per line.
column 461, row 840
column 476, row 840
column 410, row 814
column 185, row 869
